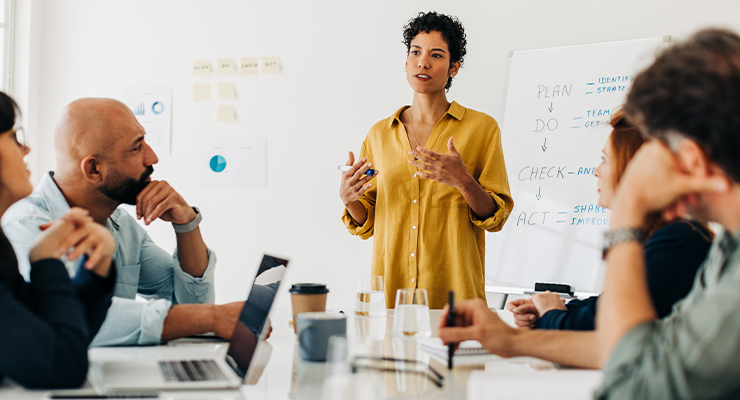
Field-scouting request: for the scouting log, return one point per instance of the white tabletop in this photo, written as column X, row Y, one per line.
column 286, row 376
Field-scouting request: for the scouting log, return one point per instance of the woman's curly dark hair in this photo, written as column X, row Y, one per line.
column 451, row 29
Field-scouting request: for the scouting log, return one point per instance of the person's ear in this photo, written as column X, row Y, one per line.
column 93, row 169
column 455, row 68
column 693, row 160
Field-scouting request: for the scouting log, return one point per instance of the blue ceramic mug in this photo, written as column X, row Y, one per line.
column 314, row 330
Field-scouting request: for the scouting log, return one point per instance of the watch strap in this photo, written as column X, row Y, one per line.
column 618, row 236
column 190, row 226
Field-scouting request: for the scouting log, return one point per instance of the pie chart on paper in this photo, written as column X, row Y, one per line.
column 218, row 163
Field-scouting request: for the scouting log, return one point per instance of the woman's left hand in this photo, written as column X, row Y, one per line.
column 448, row 169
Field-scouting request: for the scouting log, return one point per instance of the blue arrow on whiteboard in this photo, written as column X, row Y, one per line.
column 539, row 194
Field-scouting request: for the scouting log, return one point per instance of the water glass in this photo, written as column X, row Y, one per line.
column 411, row 318
column 370, row 297
column 336, row 356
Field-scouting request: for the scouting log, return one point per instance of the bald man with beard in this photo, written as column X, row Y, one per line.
column 103, row 161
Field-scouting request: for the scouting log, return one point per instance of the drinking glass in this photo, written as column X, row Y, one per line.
column 411, row 317
column 336, row 356
column 370, row 297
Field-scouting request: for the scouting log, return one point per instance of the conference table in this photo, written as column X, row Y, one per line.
column 279, row 372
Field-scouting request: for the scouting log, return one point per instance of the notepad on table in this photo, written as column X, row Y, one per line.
column 469, row 352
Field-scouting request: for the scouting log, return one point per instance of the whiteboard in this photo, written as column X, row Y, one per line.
column 556, row 120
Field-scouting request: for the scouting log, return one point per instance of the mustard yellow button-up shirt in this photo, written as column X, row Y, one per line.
column 426, row 235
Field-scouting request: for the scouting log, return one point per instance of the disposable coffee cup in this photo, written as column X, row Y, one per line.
column 307, row 297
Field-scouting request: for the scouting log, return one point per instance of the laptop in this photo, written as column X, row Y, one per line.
column 194, row 372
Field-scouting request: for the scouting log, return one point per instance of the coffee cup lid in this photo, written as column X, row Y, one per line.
column 308, row 288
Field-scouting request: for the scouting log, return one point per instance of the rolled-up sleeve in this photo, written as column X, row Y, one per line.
column 364, row 231
column 690, row 354
column 131, row 323
column 162, row 276
column 495, row 181
column 495, row 222
column 189, row 289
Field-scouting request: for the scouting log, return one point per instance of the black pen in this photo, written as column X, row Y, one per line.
column 450, row 322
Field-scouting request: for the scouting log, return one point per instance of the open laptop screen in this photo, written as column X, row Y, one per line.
column 251, row 326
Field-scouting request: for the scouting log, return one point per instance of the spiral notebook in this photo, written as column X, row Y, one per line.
column 469, row 352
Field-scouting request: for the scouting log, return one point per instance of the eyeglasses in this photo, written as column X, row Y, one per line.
column 19, row 135
column 364, row 363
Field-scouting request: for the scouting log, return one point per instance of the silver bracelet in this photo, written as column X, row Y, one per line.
column 190, row 226
column 613, row 238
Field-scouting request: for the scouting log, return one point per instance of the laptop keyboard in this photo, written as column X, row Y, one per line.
column 191, row 371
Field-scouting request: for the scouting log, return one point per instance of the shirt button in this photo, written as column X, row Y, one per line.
column 412, row 281
column 414, row 201
column 413, row 227
column 412, row 254
column 414, row 175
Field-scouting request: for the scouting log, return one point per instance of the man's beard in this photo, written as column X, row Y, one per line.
column 124, row 190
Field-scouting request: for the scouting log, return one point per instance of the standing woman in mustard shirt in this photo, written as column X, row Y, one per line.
column 440, row 179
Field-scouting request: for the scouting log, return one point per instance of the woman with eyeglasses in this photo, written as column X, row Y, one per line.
column 46, row 324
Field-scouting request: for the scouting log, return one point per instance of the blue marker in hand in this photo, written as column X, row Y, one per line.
column 345, row 168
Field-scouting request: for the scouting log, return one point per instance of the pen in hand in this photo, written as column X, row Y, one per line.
column 345, row 168
column 450, row 322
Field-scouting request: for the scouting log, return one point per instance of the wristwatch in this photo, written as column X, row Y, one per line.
column 190, row 226
column 613, row 238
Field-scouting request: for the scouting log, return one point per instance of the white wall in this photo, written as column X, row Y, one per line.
column 342, row 71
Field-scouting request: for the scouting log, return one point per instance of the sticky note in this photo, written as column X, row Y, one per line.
column 226, row 91
column 226, row 113
column 249, row 66
column 270, row 65
column 201, row 68
column 226, row 66
column 202, row 92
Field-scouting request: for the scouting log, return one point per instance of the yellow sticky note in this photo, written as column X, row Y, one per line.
column 201, row 67
column 226, row 91
column 270, row 65
column 226, row 66
column 226, row 113
column 202, row 92
column 249, row 66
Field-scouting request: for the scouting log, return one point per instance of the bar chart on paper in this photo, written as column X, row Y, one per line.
column 152, row 107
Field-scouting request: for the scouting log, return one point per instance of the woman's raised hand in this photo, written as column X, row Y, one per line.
column 354, row 181
column 448, row 169
column 73, row 235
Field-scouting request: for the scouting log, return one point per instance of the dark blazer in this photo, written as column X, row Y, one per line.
column 47, row 324
column 673, row 254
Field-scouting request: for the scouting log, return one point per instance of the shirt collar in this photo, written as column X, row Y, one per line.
column 55, row 200
column 729, row 242
column 455, row 111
